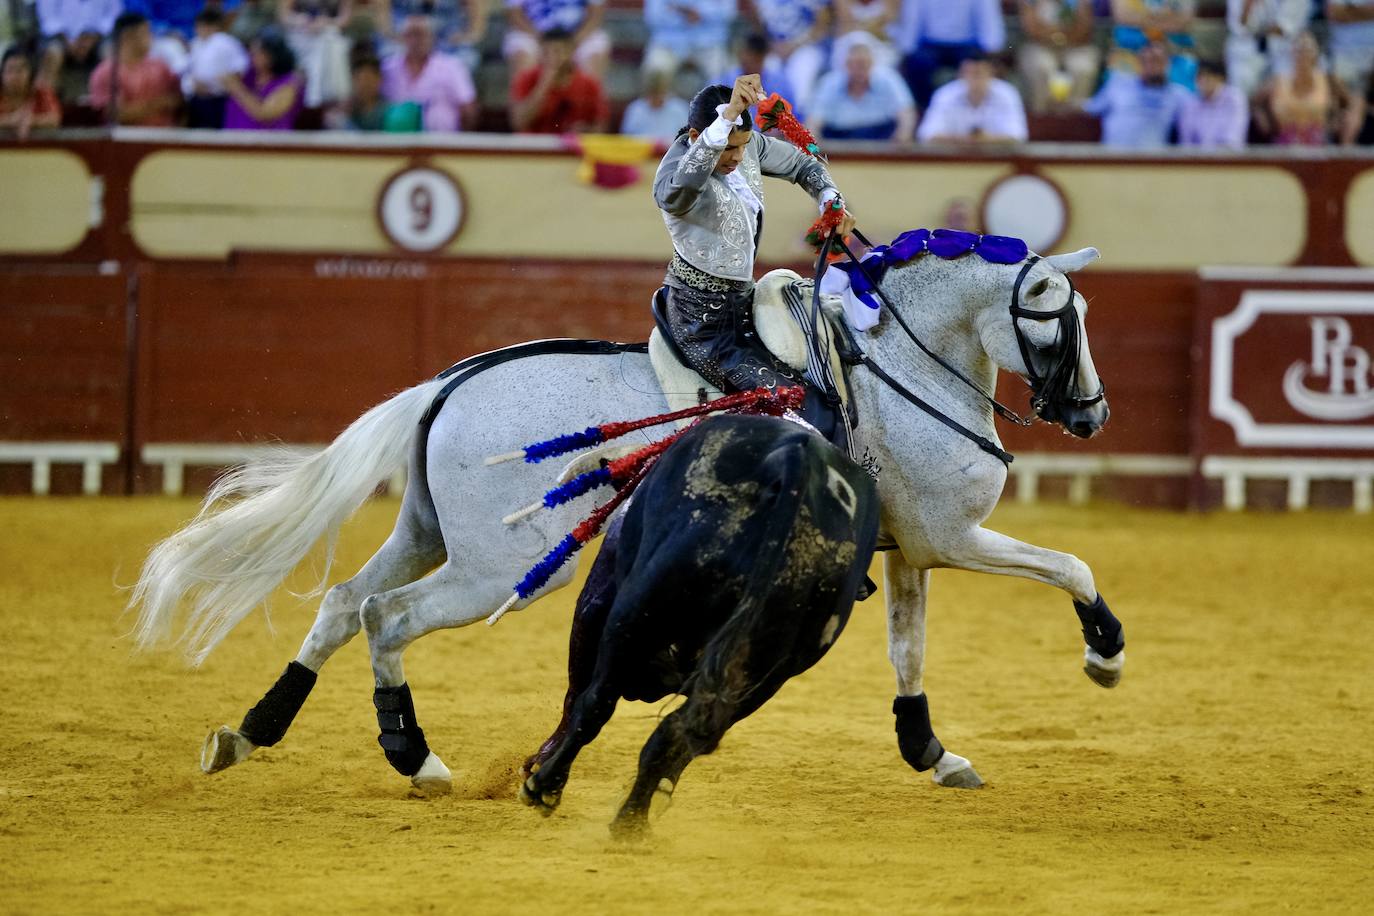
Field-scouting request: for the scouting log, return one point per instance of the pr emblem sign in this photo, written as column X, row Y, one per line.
column 1291, row 369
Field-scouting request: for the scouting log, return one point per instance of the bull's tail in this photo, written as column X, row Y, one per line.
column 784, row 477
column 260, row 520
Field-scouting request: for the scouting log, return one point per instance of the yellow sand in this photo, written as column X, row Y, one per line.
column 1231, row 771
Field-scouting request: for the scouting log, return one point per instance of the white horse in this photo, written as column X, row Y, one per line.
column 937, row 487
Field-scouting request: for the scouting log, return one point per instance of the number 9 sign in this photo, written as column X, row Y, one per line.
column 421, row 209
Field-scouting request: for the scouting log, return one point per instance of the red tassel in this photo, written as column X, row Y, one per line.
column 776, row 112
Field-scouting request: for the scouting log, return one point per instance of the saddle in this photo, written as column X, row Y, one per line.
column 779, row 330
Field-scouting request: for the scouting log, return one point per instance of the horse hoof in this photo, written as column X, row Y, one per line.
column 1104, row 672
column 546, row 800
column 433, row 778
column 630, row 828
column 223, row 748
column 954, row 772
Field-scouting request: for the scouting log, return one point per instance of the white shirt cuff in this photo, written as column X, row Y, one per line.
column 827, row 196
column 718, row 133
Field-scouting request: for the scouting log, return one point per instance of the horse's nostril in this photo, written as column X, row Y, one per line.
column 1082, row 429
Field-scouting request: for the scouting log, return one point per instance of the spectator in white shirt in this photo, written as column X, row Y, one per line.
column 657, row 114
column 938, row 34
column 977, row 107
column 214, row 54
column 1260, row 43
column 864, row 101
column 682, row 32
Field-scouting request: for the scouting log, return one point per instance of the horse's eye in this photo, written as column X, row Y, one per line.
column 1038, row 288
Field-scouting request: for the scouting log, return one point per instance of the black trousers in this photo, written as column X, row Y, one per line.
column 715, row 332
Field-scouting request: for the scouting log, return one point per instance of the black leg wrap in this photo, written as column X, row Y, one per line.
column 402, row 738
column 267, row 722
column 915, row 738
column 1101, row 630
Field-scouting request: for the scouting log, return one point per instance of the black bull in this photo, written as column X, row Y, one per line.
column 735, row 568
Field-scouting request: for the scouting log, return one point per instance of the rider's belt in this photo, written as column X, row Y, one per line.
column 699, row 279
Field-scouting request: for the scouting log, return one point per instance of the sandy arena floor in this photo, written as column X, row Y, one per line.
column 1231, row 771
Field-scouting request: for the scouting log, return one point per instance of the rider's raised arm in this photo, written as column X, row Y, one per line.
column 683, row 172
column 780, row 159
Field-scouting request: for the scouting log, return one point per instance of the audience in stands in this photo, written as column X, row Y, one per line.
column 1140, row 110
column 1352, row 42
column 268, row 95
column 436, row 81
column 864, row 101
column 251, row 17
column 688, row 32
column 1319, row 93
column 1259, row 40
column 24, row 106
column 131, row 86
column 526, row 20
column 1302, row 102
column 459, row 25
column 940, row 34
column 657, row 114
column 1139, row 23
column 556, row 96
column 754, row 57
column 975, row 108
column 1218, row 116
column 799, row 33
column 876, row 19
column 314, row 30
column 1058, row 57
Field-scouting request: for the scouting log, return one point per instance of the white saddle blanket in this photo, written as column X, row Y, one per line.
column 778, row 331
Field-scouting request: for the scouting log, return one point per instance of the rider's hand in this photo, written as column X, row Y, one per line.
column 748, row 91
column 847, row 223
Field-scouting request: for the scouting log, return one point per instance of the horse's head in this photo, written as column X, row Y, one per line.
column 1038, row 332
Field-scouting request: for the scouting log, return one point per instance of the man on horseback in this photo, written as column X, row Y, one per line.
column 710, row 191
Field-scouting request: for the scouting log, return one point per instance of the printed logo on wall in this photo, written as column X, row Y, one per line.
column 421, row 209
column 1293, row 369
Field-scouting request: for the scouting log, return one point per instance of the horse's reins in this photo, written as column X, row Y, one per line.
column 1062, row 375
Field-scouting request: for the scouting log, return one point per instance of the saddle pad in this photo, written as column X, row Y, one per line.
column 778, row 331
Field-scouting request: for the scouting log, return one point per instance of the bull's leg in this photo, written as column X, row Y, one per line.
column 697, row 727
column 1104, row 652
column 408, row 553
column 907, row 588
column 592, row 709
column 589, row 621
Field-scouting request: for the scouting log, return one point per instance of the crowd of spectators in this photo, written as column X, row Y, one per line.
column 1293, row 72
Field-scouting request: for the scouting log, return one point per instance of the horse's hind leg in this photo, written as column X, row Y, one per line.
column 413, row 549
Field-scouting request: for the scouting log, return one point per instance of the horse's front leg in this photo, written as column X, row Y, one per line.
column 907, row 587
column 1104, row 653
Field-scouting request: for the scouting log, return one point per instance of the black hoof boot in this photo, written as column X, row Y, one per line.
column 915, row 738
column 267, row 722
column 402, row 738
column 1101, row 630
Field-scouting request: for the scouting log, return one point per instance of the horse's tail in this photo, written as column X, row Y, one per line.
column 784, row 476
column 259, row 521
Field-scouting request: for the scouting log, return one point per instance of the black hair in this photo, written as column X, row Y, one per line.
column 1215, row 67
column 127, row 22
column 365, row 62
column 701, row 113
column 18, row 52
column 282, row 60
column 556, row 34
column 977, row 56
column 210, row 15
column 757, row 42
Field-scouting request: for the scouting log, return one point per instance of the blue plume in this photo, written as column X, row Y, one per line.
column 541, row 572
column 582, row 483
column 560, row 445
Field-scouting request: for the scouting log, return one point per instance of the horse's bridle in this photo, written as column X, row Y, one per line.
column 1047, row 390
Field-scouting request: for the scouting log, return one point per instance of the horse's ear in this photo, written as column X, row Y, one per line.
column 1075, row 260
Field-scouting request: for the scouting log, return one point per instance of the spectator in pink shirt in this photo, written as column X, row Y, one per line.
column 148, row 93
column 437, row 82
column 1218, row 116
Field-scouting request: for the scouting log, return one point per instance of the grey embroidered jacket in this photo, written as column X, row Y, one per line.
column 710, row 224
